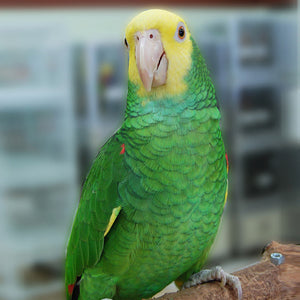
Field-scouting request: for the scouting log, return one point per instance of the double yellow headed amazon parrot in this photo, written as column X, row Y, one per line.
column 152, row 202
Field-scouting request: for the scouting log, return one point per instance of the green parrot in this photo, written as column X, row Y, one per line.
column 152, row 202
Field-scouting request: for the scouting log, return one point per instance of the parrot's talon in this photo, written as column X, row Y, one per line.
column 215, row 274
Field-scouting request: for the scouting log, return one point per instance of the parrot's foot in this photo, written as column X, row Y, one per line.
column 218, row 274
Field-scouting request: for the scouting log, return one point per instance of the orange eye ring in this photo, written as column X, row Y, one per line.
column 181, row 32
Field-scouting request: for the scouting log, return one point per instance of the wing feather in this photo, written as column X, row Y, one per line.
column 95, row 211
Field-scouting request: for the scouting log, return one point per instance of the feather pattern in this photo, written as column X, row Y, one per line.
column 170, row 180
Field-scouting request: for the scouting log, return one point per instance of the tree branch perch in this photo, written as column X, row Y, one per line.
column 264, row 280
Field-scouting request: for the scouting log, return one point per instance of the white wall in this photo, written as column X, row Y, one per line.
column 109, row 23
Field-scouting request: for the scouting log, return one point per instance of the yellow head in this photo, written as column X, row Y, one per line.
column 160, row 51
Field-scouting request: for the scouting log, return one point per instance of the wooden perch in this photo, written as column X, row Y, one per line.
column 263, row 280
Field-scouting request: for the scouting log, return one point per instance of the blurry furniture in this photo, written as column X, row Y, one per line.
column 100, row 94
column 253, row 64
column 38, row 189
column 259, row 63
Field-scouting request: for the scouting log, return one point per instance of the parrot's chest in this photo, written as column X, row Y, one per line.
column 175, row 192
column 171, row 219
column 172, row 202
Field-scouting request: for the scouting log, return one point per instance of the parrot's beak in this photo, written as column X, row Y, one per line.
column 151, row 59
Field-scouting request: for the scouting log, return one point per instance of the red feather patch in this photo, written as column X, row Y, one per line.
column 227, row 161
column 123, row 149
column 71, row 288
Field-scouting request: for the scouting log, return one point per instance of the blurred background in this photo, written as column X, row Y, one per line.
column 63, row 87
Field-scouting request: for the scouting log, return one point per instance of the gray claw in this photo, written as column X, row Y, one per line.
column 218, row 274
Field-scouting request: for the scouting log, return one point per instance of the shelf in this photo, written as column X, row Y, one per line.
column 31, row 98
column 258, row 141
column 32, row 171
column 261, row 203
column 115, row 94
column 257, row 117
column 11, row 292
column 39, row 245
column 261, row 76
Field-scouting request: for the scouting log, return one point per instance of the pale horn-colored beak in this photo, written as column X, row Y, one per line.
column 151, row 59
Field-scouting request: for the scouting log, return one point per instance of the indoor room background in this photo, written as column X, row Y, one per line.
column 63, row 82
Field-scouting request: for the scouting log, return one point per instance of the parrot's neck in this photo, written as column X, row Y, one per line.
column 171, row 141
column 200, row 93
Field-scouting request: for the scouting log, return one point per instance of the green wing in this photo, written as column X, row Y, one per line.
column 97, row 210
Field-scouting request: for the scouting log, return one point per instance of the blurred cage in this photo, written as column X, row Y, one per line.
column 37, row 157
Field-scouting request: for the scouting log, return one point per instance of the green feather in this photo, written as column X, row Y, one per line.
column 170, row 182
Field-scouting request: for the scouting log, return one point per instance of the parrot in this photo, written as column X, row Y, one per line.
column 153, row 199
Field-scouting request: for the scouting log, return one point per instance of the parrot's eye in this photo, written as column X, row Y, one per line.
column 125, row 42
column 180, row 32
